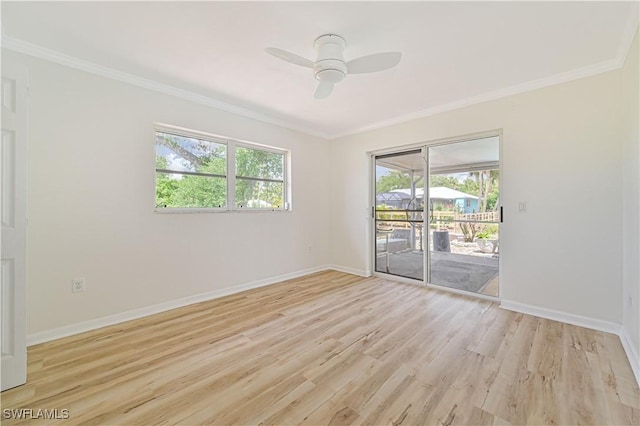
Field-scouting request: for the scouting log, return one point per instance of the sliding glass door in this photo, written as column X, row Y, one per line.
column 457, row 243
column 464, row 215
column 399, row 214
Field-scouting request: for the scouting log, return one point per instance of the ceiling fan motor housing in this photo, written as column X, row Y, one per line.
column 330, row 66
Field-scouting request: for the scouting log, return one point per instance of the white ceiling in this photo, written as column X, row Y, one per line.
column 454, row 53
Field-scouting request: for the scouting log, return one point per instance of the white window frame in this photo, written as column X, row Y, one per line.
column 231, row 145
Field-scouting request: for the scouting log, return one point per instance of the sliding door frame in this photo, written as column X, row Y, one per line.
column 371, row 234
column 372, row 202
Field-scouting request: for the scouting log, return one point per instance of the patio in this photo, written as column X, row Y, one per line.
column 467, row 267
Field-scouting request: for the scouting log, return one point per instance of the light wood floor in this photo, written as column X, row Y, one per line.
column 492, row 289
column 332, row 348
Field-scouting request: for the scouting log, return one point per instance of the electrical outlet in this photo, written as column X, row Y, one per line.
column 309, row 248
column 77, row 285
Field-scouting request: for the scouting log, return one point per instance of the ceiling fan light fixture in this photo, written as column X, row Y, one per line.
column 330, row 76
column 330, row 70
column 330, row 67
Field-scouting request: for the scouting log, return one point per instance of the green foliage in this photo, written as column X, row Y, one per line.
column 164, row 186
column 483, row 234
column 444, row 180
column 197, row 191
column 489, row 231
column 492, row 229
column 390, row 212
column 252, row 163
column 395, row 180
column 488, row 189
column 492, row 199
column 469, row 186
column 183, row 190
column 165, row 189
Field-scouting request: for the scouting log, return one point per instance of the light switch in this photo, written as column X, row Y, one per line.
column 522, row 207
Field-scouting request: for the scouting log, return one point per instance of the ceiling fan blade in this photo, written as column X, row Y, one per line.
column 374, row 63
column 290, row 57
column 324, row 89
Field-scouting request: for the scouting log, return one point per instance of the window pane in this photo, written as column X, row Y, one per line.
column 184, row 154
column 259, row 164
column 257, row 194
column 185, row 191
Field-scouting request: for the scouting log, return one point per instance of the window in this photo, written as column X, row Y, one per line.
column 259, row 178
column 193, row 172
column 190, row 172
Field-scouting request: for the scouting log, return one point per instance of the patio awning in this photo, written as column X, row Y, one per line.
column 437, row 193
column 460, row 157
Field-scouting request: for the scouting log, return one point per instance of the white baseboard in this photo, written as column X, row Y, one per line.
column 579, row 320
column 81, row 327
column 632, row 354
column 348, row 270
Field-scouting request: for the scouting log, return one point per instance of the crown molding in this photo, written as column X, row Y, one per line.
column 491, row 96
column 40, row 52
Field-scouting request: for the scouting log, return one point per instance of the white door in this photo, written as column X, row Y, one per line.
column 13, row 161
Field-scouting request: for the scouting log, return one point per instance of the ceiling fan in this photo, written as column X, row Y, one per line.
column 330, row 67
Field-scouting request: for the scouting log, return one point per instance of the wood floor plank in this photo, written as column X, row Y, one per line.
column 333, row 348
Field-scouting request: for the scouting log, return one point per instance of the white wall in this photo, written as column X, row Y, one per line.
column 631, row 200
column 562, row 152
column 91, row 199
